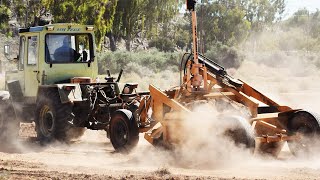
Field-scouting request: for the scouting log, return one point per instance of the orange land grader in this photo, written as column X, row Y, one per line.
column 160, row 114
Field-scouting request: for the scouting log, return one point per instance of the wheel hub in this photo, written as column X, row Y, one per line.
column 46, row 121
column 122, row 133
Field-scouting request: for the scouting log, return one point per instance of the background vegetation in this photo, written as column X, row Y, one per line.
column 149, row 36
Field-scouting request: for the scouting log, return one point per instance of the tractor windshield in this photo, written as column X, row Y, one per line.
column 69, row 48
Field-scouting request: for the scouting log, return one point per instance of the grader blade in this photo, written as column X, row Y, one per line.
column 166, row 112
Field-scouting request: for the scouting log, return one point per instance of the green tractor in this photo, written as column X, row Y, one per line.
column 57, row 86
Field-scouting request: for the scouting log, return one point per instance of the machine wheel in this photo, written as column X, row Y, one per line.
column 52, row 119
column 240, row 132
column 306, row 126
column 124, row 133
column 9, row 125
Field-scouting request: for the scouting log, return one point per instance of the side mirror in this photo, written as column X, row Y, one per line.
column 6, row 50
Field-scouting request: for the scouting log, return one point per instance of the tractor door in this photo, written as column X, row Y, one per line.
column 31, row 71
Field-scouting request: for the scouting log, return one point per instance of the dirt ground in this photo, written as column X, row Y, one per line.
column 93, row 157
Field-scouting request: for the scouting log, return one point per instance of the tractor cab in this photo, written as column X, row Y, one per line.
column 52, row 54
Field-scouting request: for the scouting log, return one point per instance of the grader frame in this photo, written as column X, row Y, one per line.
column 269, row 122
column 206, row 80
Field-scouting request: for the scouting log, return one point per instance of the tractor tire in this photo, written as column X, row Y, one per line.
column 9, row 125
column 306, row 125
column 239, row 132
column 124, row 132
column 52, row 118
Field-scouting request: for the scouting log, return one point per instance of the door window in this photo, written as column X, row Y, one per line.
column 32, row 50
column 21, row 52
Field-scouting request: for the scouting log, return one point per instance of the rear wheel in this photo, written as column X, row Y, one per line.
column 306, row 126
column 52, row 118
column 124, row 133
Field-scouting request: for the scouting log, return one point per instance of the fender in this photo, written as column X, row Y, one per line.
column 67, row 92
column 125, row 112
column 314, row 117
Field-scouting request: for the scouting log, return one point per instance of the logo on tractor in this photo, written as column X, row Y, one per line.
column 68, row 29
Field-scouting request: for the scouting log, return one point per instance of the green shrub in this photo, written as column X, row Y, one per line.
column 140, row 62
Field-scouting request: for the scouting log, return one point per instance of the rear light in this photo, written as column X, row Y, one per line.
column 89, row 28
column 50, row 28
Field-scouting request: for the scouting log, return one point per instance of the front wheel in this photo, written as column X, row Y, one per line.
column 124, row 132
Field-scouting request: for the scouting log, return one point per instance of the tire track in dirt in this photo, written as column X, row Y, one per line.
column 93, row 158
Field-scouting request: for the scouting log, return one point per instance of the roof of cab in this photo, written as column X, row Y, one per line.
column 40, row 28
column 31, row 29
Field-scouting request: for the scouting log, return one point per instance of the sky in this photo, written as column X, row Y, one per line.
column 294, row 5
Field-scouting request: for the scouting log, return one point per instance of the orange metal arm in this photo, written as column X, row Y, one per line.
column 251, row 92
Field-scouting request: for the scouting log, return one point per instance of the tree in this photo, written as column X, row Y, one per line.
column 263, row 12
column 309, row 22
column 5, row 14
column 224, row 22
column 315, row 24
column 135, row 16
column 99, row 13
column 301, row 18
column 171, row 35
column 30, row 12
column 230, row 21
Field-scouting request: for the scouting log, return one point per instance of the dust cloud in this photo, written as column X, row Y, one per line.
column 204, row 145
column 288, row 79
